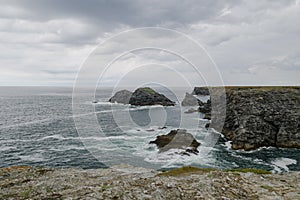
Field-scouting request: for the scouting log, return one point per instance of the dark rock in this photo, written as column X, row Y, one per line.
column 205, row 107
column 200, row 91
column 122, row 96
column 95, row 101
column 177, row 139
column 262, row 116
column 207, row 125
column 150, row 130
column 147, row 96
column 207, row 116
column 190, row 100
column 164, row 127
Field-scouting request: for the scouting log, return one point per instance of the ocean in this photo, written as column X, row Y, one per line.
column 38, row 127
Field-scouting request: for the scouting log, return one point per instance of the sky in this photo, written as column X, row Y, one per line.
column 46, row 42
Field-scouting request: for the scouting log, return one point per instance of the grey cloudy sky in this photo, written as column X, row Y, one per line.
column 44, row 42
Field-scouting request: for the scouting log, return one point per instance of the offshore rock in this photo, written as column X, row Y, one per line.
column 147, row 96
column 190, row 100
column 177, row 139
column 122, row 96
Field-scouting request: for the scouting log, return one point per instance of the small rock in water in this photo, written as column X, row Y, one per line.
column 177, row 139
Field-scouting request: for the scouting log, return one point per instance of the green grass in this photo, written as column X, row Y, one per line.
column 193, row 170
column 148, row 90
column 185, row 170
column 252, row 170
column 267, row 187
column 27, row 193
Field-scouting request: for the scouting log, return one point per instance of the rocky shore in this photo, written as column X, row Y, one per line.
column 128, row 182
column 261, row 116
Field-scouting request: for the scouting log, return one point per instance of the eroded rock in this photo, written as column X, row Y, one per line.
column 177, row 139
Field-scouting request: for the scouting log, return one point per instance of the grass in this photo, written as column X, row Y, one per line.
column 185, row 170
column 105, row 187
column 252, row 170
column 27, row 193
column 193, row 170
column 148, row 90
column 267, row 187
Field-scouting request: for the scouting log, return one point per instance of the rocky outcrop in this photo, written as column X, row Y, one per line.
column 147, row 96
column 177, row 139
column 200, row 91
column 129, row 182
column 191, row 110
column 205, row 107
column 190, row 100
column 262, row 116
column 122, row 96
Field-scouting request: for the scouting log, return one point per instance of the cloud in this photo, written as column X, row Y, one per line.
column 249, row 40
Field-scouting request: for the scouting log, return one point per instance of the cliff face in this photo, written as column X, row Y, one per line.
column 262, row 116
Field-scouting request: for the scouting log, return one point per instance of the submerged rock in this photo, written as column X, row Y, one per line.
column 147, row 96
column 122, row 96
column 177, row 139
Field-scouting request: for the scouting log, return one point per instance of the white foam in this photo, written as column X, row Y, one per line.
column 280, row 164
column 33, row 157
column 228, row 145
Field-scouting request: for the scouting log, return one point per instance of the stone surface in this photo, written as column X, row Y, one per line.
column 147, row 96
column 205, row 107
column 177, row 139
column 200, row 91
column 122, row 96
column 190, row 100
column 262, row 116
column 128, row 182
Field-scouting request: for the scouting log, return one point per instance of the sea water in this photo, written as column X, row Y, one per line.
column 37, row 127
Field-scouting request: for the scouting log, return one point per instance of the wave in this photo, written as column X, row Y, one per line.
column 280, row 164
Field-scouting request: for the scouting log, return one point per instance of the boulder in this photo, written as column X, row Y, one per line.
column 147, row 96
column 177, row 139
column 200, row 91
column 190, row 100
column 122, row 96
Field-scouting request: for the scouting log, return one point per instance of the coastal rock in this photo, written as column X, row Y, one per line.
column 205, row 107
column 147, row 96
column 190, row 100
column 177, row 139
column 122, row 96
column 128, row 182
column 262, row 116
column 200, row 91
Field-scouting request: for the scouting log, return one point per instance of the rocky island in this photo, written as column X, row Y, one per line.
column 261, row 116
column 145, row 96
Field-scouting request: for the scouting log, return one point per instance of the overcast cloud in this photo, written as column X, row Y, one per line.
column 44, row 42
